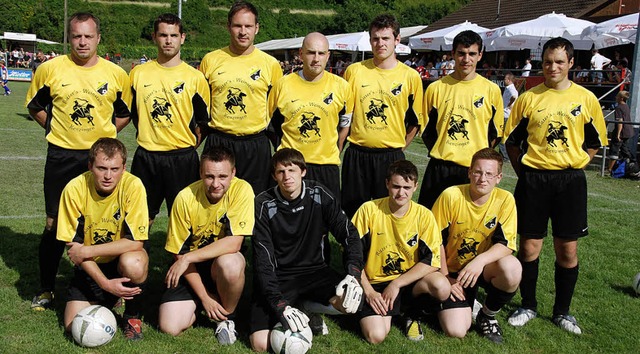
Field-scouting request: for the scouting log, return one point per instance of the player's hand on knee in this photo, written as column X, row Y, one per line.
column 377, row 303
column 76, row 252
column 116, row 287
column 350, row 290
column 294, row 319
column 457, row 292
column 175, row 272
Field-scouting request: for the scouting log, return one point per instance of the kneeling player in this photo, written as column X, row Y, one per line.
column 478, row 224
column 292, row 221
column 209, row 220
column 402, row 248
column 103, row 217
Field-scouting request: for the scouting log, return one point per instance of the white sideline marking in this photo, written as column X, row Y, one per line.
column 19, row 130
column 22, row 157
column 6, row 217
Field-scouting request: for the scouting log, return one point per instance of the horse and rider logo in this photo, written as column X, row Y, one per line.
column 396, row 90
column 81, row 109
column 179, row 87
column 457, row 126
column 468, row 246
column 556, row 132
column 101, row 236
column 328, row 99
column 103, row 89
column 160, row 108
column 376, row 109
column 478, row 101
column 393, row 264
column 308, row 122
column 234, row 99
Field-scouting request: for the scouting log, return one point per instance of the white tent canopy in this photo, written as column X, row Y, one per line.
column 617, row 31
column 442, row 39
column 533, row 33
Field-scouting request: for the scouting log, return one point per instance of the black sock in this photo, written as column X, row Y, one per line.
column 565, row 279
column 496, row 298
column 528, row 284
column 133, row 307
column 49, row 252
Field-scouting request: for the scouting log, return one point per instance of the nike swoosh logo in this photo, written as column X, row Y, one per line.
column 447, row 100
column 365, row 85
column 147, row 85
column 221, row 72
column 540, row 110
column 459, row 222
column 379, row 233
column 65, row 85
column 295, row 100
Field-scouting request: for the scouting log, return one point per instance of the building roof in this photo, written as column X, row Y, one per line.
column 485, row 12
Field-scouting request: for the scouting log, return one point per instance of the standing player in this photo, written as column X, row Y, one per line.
column 478, row 223
column 402, row 248
column 462, row 110
column 292, row 220
column 509, row 96
column 104, row 220
column 4, row 78
column 386, row 116
column 208, row 223
column 240, row 77
column 74, row 98
column 170, row 104
column 312, row 112
column 562, row 126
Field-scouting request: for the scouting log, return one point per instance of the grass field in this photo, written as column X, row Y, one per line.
column 604, row 302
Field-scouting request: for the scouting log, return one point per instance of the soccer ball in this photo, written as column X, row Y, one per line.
column 287, row 342
column 93, row 326
column 636, row 284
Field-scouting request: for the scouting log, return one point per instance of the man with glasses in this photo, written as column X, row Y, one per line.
column 478, row 224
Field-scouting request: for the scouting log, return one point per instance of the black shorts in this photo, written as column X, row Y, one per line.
column 253, row 157
column 404, row 297
column 62, row 166
column 327, row 175
column 558, row 195
column 164, row 174
column 319, row 286
column 470, row 295
column 440, row 175
column 84, row 288
column 184, row 292
column 364, row 171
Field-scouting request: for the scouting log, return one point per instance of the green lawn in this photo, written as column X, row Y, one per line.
column 604, row 302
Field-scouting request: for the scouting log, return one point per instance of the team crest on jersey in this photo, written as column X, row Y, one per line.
column 469, row 247
column 478, row 101
column 255, row 75
column 81, row 109
column 309, row 121
column 491, row 223
column 576, row 109
column 328, row 99
column 234, row 99
column 117, row 214
column 101, row 236
column 376, row 110
column 179, row 87
column 205, row 239
column 457, row 125
column 555, row 132
column 159, row 108
column 413, row 241
column 393, row 264
column 103, row 88
column 396, row 90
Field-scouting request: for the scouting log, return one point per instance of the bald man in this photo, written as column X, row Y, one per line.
column 311, row 112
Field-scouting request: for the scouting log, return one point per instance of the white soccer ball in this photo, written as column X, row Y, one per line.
column 94, row 326
column 636, row 284
column 287, row 342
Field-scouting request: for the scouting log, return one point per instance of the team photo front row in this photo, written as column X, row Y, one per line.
column 401, row 260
